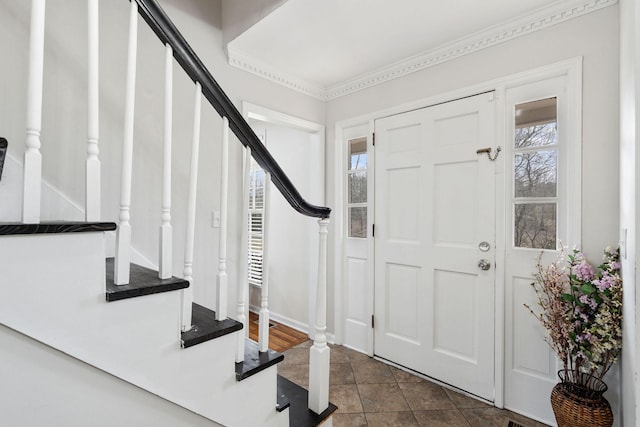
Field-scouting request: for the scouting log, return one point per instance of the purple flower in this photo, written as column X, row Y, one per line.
column 605, row 282
column 583, row 271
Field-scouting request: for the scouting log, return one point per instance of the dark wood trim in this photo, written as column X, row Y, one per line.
column 54, row 227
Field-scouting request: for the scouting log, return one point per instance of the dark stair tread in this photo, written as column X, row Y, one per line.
column 299, row 413
column 283, row 402
column 50, row 227
column 142, row 281
column 206, row 327
column 255, row 361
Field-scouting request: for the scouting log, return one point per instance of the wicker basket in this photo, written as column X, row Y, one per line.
column 577, row 406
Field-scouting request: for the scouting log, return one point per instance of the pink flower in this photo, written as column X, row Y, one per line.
column 605, row 282
column 583, row 271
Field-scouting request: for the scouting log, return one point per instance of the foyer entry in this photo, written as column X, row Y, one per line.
column 435, row 242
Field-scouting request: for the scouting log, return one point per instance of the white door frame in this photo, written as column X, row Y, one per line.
column 572, row 68
column 266, row 115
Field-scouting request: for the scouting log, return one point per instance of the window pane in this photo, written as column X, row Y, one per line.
column 358, row 154
column 541, row 112
column 536, row 123
column 536, row 174
column 358, row 222
column 535, row 225
column 358, row 187
column 536, row 136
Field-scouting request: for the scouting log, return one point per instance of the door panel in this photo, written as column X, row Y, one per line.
column 434, row 204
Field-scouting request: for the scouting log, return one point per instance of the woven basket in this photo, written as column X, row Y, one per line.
column 577, row 406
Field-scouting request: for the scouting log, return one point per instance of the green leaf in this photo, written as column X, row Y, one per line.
column 588, row 288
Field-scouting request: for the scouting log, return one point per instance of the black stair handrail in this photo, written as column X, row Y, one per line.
column 165, row 29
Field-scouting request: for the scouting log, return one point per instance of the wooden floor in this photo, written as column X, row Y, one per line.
column 281, row 337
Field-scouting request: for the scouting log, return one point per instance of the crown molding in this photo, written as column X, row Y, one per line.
column 247, row 63
column 531, row 23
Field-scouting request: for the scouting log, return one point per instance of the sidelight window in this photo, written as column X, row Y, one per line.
column 357, row 188
column 535, row 174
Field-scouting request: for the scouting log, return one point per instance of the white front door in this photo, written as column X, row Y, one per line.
column 434, row 223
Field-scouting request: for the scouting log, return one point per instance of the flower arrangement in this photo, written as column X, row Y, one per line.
column 582, row 313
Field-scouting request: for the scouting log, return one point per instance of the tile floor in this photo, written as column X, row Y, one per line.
column 371, row 393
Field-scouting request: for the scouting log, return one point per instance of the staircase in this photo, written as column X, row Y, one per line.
column 124, row 327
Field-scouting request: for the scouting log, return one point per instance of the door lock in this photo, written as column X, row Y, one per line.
column 484, row 264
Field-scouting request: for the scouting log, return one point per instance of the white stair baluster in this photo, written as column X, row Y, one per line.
column 166, row 231
column 123, row 236
column 319, row 352
column 263, row 323
column 92, row 171
column 187, row 294
column 221, row 295
column 243, row 283
column 32, row 156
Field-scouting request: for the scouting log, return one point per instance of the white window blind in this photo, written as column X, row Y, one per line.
column 256, row 223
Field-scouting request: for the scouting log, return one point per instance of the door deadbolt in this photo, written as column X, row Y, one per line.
column 484, row 264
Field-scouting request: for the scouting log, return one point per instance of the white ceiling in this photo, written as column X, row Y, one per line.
column 321, row 44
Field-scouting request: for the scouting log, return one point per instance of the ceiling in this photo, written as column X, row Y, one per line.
column 321, row 46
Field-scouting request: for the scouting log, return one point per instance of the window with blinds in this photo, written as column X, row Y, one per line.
column 256, row 223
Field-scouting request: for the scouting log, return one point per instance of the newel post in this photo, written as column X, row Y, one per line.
column 319, row 352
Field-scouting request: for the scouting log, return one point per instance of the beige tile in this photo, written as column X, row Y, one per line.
column 404, row 377
column 346, row 398
column 446, row 418
column 305, row 344
column 372, row 372
column 339, row 354
column 490, row 416
column 296, row 356
column 349, row 420
column 341, row 373
column 357, row 357
column 382, row 398
column 464, row 402
column 391, row 419
column 520, row 419
column 425, row 396
column 483, row 417
column 298, row 374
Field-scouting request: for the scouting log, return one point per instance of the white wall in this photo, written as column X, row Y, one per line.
column 240, row 15
column 629, row 78
column 64, row 118
column 55, row 205
column 593, row 36
column 42, row 386
column 293, row 246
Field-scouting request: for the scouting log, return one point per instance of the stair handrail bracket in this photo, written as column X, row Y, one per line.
column 166, row 31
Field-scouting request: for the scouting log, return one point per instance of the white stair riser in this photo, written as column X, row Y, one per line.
column 53, row 291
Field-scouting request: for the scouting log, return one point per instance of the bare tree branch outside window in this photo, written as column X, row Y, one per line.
column 535, row 177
